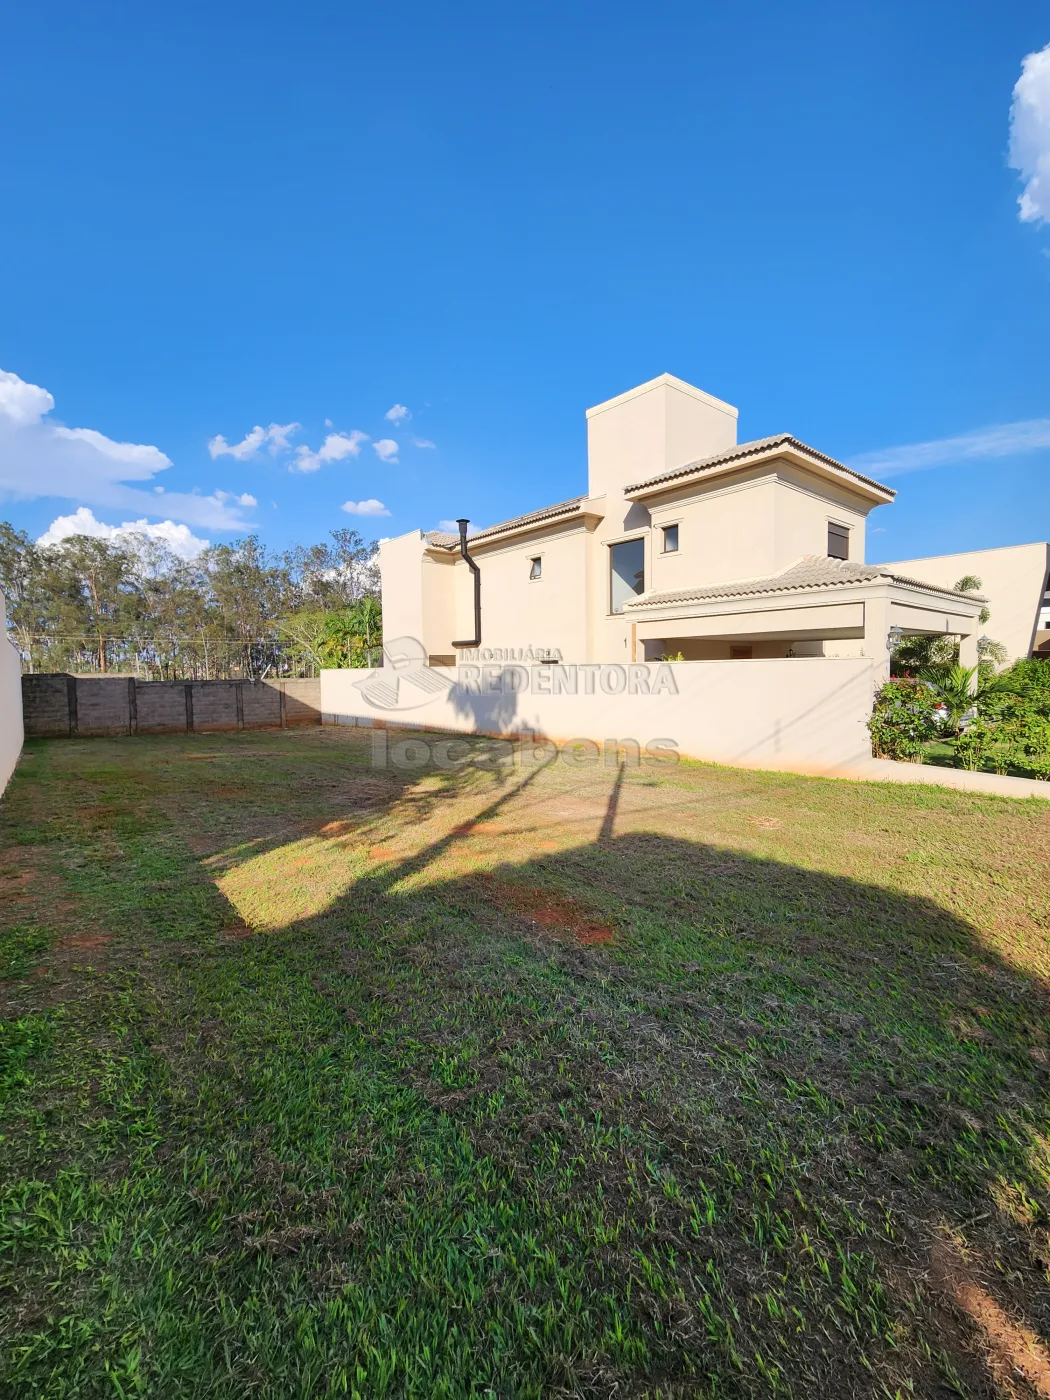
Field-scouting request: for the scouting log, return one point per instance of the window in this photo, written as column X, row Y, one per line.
column 838, row 542
column 627, row 573
column 670, row 539
column 536, row 567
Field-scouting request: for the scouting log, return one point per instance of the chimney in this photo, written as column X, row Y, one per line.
column 652, row 429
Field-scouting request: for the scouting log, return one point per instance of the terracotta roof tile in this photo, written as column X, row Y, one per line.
column 741, row 452
column 811, row 571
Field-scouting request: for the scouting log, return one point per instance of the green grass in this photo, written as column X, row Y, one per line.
column 316, row 1080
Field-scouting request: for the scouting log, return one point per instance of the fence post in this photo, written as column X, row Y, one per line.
column 71, row 700
column 133, row 706
column 238, row 691
column 284, row 706
column 189, row 708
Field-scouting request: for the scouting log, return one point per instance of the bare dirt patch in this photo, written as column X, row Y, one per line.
column 235, row 931
column 555, row 913
column 1011, row 1348
column 85, row 940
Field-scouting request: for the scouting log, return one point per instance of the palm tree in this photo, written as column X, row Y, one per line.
column 970, row 583
column 958, row 692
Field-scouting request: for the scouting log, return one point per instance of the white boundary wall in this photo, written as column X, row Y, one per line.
column 11, row 732
column 807, row 714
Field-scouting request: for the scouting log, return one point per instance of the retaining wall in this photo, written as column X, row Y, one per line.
column 804, row 713
column 10, row 702
column 61, row 706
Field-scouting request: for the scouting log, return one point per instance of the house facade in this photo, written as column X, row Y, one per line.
column 686, row 544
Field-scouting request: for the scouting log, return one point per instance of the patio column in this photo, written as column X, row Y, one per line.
column 968, row 655
column 876, row 632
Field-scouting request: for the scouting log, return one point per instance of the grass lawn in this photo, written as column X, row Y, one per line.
column 320, row 1080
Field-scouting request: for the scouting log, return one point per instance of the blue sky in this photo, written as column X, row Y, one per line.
column 224, row 215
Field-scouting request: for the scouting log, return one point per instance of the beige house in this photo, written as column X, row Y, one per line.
column 686, row 543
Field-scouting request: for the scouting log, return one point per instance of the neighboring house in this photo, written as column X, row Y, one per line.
column 1014, row 582
column 686, row 543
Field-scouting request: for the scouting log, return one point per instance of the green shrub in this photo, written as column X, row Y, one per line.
column 977, row 742
column 903, row 720
column 1012, row 730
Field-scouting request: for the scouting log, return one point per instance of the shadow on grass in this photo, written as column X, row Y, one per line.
column 437, row 1137
column 776, row 1092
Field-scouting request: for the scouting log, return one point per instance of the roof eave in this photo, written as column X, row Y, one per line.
column 817, row 593
column 582, row 512
column 872, row 490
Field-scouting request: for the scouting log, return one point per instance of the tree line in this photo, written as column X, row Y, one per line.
column 132, row 605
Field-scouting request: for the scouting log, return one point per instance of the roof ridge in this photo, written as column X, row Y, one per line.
column 746, row 449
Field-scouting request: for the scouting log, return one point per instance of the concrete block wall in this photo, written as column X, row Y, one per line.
column 63, row 706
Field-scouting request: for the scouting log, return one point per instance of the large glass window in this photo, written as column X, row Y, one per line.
column 628, row 572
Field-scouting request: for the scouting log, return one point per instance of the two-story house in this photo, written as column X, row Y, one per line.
column 687, row 543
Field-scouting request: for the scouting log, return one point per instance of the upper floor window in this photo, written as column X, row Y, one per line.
column 627, row 573
column 536, row 567
column 838, row 541
column 670, row 539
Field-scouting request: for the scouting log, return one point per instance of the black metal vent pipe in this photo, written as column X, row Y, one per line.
column 476, row 639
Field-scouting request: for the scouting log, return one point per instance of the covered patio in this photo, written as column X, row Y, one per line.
column 816, row 607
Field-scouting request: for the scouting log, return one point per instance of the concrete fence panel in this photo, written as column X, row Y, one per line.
column 302, row 702
column 61, row 706
column 45, row 700
column 215, row 705
column 261, row 705
column 160, row 707
column 102, row 706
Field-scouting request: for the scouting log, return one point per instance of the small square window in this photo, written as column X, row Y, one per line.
column 670, row 539
column 838, row 542
column 536, row 567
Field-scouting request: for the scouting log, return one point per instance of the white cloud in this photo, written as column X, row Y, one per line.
column 41, row 458
column 395, row 414
column 178, row 538
column 134, row 454
column 1000, row 440
column 21, row 402
column 1030, row 136
column 277, row 435
column 335, row 448
column 423, row 442
column 386, row 450
column 369, row 507
column 450, row 527
column 242, row 500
